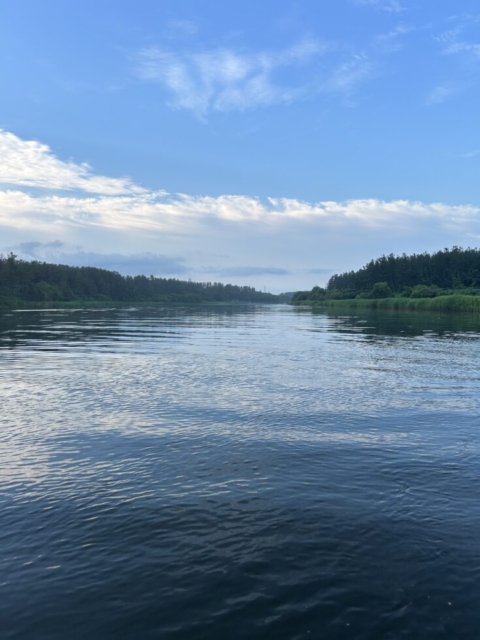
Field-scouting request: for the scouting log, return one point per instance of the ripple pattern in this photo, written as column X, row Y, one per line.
column 251, row 472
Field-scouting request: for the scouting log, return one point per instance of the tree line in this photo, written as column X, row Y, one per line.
column 421, row 275
column 34, row 281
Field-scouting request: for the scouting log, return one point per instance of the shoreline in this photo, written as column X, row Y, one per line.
column 450, row 303
column 112, row 304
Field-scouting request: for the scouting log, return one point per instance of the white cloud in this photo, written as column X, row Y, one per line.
column 184, row 214
column 464, row 47
column 172, row 225
column 224, row 79
column 26, row 163
column 32, row 164
column 454, row 46
column 462, row 39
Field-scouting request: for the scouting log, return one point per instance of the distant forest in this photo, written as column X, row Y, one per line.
column 422, row 275
column 40, row 282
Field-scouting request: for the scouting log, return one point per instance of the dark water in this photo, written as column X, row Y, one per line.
column 220, row 473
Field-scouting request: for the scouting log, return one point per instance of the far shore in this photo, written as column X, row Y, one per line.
column 450, row 303
column 111, row 304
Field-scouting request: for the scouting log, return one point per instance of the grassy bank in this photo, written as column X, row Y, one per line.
column 441, row 303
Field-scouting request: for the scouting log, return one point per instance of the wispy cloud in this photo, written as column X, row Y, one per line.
column 248, row 272
column 442, row 93
column 32, row 164
column 59, row 252
column 224, row 79
column 391, row 41
column 471, row 154
column 464, row 47
column 348, row 75
column 320, row 272
column 184, row 28
column 391, row 6
column 463, row 38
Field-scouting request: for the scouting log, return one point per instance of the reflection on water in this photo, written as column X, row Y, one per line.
column 406, row 323
column 238, row 472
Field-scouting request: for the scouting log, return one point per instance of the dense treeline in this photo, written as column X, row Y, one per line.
column 448, row 276
column 448, row 269
column 40, row 282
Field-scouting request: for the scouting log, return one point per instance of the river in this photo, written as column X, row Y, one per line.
column 239, row 473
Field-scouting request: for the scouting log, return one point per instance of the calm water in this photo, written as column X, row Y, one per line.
column 223, row 473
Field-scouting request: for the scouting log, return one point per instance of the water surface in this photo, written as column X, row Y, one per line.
column 250, row 472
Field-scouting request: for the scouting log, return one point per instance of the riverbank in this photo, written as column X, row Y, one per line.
column 19, row 305
column 452, row 303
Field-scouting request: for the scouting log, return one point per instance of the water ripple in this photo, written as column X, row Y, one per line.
column 250, row 472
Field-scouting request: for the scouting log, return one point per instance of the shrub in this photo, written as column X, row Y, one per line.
column 423, row 291
column 380, row 290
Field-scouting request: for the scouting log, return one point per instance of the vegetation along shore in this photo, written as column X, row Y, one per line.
column 33, row 284
column 448, row 280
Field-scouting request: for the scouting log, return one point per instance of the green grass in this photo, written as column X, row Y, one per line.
column 456, row 302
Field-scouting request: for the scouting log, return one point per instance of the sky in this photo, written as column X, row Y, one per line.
column 266, row 143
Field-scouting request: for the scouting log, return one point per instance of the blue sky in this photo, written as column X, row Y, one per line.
column 265, row 143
